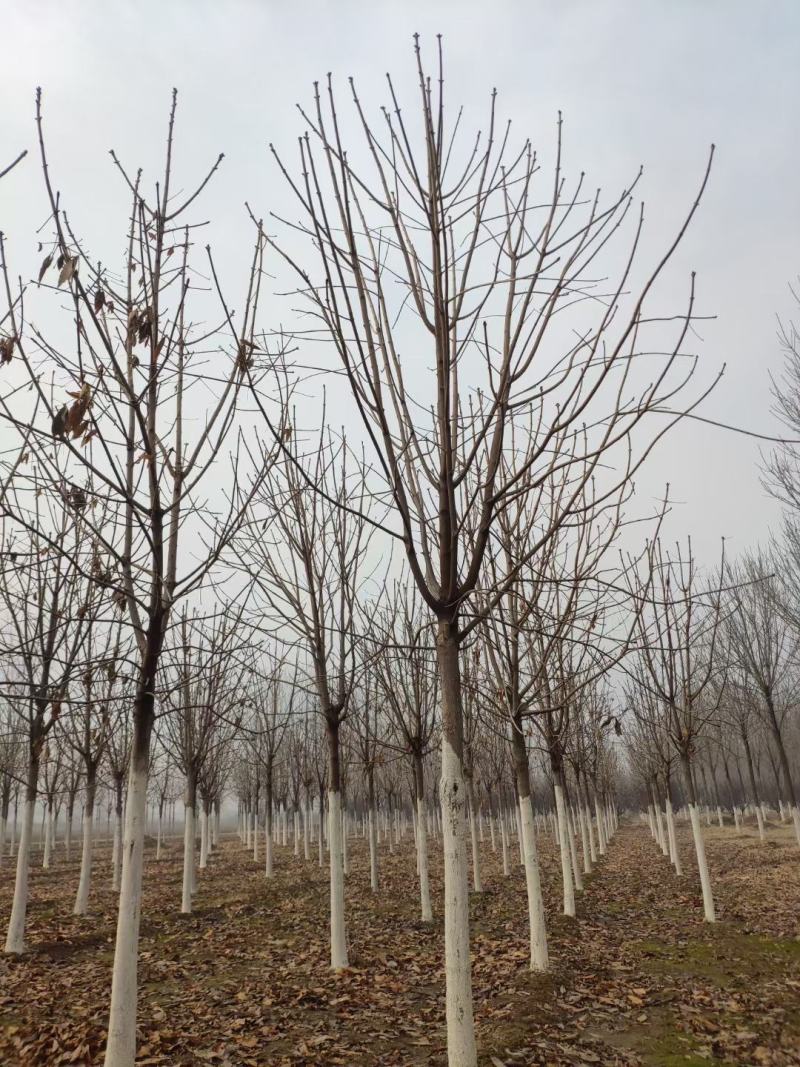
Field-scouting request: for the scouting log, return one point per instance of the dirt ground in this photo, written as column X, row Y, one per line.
column 637, row 977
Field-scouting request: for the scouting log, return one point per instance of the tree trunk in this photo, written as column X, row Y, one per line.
column 477, row 884
column 116, row 859
column 537, row 929
column 563, row 841
column 461, row 1048
column 121, row 1045
column 753, row 787
column 422, row 842
column 660, row 835
column 85, row 881
column 188, row 844
column 335, row 844
column 48, row 835
column 675, row 856
column 15, row 940
column 699, row 844
column 203, row 836
column 372, row 816
column 268, row 861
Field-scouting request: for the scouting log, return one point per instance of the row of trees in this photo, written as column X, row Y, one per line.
column 198, row 560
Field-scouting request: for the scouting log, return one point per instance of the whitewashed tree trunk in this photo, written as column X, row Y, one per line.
column 422, row 863
column 651, row 821
column 587, row 818
column 85, row 880
column 203, row 838
column 587, row 862
column 345, row 861
column 373, row 850
column 121, row 1046
column 269, row 870
column 660, row 835
column 477, row 884
column 536, row 921
column 563, row 844
column 116, row 857
column 461, row 1048
column 601, row 837
column 188, row 860
column 306, row 831
column 573, row 855
column 338, row 933
column 15, row 940
column 504, row 846
column 48, row 837
column 519, row 835
column 68, row 835
column 702, row 864
column 674, row 855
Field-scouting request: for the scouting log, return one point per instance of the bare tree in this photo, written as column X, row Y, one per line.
column 304, row 553
column 406, row 672
column 48, row 608
column 138, row 357
column 439, row 275
column 764, row 649
column 102, row 692
column 203, row 710
column 678, row 660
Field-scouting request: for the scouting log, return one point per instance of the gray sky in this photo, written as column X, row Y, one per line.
column 638, row 82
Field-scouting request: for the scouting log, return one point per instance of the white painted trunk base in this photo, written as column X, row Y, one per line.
column 461, row 1048
column 702, row 865
column 336, row 862
column 121, row 1046
column 536, row 921
column 564, row 849
column 85, row 881
column 15, row 939
column 188, row 860
column 422, row 863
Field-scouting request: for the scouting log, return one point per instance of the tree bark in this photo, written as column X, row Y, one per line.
column 15, row 939
column 699, row 844
column 121, row 1044
column 422, row 842
column 461, row 1048
column 335, row 846
column 85, row 880
column 537, row 928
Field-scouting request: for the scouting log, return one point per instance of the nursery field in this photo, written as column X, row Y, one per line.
column 636, row 978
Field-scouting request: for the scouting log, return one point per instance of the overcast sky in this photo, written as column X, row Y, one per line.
column 639, row 82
